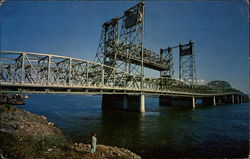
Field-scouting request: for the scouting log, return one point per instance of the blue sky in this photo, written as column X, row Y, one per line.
column 219, row 30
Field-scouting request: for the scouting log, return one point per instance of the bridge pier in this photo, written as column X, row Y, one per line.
column 193, row 102
column 228, row 99
column 142, row 103
column 217, row 100
column 214, row 101
column 124, row 102
column 177, row 101
column 220, row 100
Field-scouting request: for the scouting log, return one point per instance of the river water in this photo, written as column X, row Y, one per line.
column 161, row 132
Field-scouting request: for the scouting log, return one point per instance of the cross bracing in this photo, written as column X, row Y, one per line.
column 122, row 46
column 46, row 73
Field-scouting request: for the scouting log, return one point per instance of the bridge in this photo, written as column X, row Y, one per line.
column 118, row 71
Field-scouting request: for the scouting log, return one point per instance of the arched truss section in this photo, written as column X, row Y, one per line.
column 41, row 72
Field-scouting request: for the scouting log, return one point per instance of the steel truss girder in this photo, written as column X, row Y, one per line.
column 46, row 69
column 35, row 72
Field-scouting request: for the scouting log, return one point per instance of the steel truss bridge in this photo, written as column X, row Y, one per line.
column 118, row 68
column 46, row 73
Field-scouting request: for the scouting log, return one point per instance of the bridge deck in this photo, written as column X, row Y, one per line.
column 43, row 88
column 35, row 72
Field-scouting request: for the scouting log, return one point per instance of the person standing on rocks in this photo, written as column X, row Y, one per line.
column 93, row 143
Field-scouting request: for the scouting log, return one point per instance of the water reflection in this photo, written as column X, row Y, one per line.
column 120, row 128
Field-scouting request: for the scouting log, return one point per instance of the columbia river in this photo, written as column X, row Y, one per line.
column 161, row 132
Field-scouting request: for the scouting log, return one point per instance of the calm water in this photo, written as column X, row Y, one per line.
column 221, row 131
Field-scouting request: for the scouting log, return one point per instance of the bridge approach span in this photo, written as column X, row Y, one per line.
column 46, row 73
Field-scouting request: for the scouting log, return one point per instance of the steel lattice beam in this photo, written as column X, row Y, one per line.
column 43, row 73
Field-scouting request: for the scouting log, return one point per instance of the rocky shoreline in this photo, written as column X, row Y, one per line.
column 27, row 135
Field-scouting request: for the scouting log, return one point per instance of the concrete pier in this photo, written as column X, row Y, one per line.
column 124, row 102
column 193, row 102
column 176, row 101
column 214, row 101
column 142, row 103
column 232, row 99
column 238, row 100
column 137, row 102
column 206, row 101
